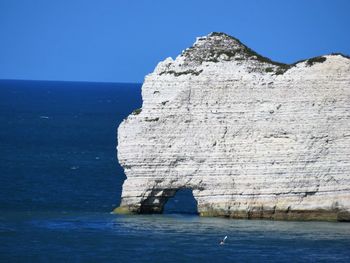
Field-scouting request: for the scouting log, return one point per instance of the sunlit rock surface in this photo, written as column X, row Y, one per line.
column 251, row 137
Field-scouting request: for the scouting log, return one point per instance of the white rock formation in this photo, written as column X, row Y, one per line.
column 251, row 137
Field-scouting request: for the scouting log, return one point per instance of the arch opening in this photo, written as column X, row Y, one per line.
column 182, row 202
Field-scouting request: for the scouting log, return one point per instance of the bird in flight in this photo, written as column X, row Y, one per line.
column 222, row 242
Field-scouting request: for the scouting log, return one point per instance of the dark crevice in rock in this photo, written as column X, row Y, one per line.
column 149, row 119
column 179, row 73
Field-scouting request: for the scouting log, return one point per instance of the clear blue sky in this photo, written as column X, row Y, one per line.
column 123, row 40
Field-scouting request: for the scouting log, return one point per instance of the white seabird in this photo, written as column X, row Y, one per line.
column 222, row 242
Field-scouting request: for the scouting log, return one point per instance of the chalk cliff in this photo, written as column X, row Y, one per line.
column 251, row 137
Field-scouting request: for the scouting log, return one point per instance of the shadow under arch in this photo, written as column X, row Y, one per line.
column 180, row 200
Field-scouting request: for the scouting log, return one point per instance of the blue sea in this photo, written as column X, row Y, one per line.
column 60, row 180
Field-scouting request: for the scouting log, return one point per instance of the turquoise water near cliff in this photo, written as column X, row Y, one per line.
column 60, row 180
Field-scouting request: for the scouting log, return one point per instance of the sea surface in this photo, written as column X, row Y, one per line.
column 59, row 181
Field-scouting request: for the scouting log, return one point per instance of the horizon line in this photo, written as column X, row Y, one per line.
column 80, row 81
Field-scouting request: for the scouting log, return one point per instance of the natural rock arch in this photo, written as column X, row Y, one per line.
column 153, row 201
column 252, row 137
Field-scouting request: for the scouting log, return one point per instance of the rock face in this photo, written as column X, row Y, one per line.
column 251, row 137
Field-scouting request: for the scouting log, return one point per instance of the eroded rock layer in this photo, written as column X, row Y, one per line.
column 251, row 137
